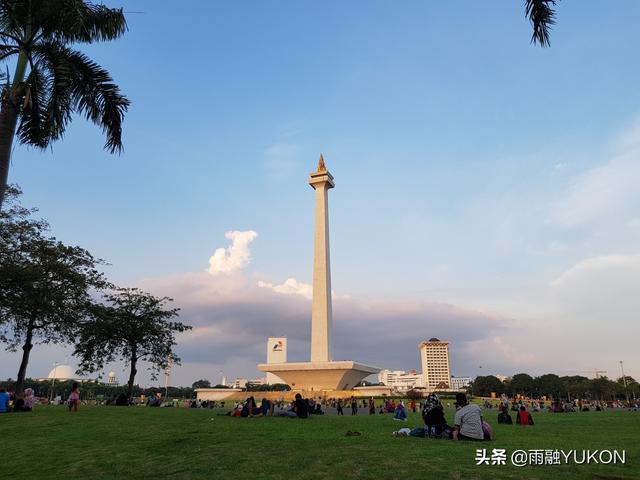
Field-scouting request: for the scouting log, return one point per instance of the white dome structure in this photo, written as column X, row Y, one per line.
column 62, row 372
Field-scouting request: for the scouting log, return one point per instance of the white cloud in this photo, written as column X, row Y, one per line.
column 291, row 286
column 598, row 267
column 236, row 256
column 606, row 192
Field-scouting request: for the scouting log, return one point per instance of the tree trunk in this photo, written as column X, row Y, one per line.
column 26, row 350
column 9, row 112
column 132, row 376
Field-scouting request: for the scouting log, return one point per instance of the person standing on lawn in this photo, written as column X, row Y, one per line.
column 74, row 398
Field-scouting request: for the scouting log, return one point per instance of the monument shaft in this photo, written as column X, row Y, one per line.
column 321, row 314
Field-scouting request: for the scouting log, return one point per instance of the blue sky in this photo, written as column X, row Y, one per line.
column 472, row 168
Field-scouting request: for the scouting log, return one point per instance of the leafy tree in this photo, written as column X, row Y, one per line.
column 134, row 326
column 201, row 384
column 258, row 387
column 521, row 384
column 485, row 386
column 550, row 385
column 52, row 80
column 628, row 379
column 604, row 389
column 45, row 285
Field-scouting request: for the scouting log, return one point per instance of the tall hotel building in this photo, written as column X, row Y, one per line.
column 435, row 364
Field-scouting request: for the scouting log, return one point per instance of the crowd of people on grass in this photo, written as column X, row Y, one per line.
column 10, row 402
column 468, row 423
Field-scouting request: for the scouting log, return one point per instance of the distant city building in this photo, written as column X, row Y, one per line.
column 502, row 378
column 276, row 353
column 242, row 382
column 400, row 380
column 436, row 373
column 112, row 379
column 460, row 383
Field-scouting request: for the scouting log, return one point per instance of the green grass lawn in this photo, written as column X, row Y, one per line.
column 147, row 443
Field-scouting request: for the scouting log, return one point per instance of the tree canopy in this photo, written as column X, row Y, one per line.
column 45, row 285
column 132, row 326
column 52, row 80
column 201, row 384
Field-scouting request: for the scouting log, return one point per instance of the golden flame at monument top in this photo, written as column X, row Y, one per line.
column 321, row 166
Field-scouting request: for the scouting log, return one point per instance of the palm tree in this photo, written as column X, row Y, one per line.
column 541, row 14
column 51, row 80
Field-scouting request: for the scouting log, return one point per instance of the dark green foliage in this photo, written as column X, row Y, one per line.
column 521, row 384
column 201, row 384
column 45, row 285
column 92, row 390
column 132, row 326
column 276, row 387
column 62, row 80
column 52, row 80
column 485, row 386
column 541, row 14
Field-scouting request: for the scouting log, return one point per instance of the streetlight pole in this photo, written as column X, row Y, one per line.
column 624, row 381
column 53, row 382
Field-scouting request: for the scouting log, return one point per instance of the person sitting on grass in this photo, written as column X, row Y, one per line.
column 250, row 409
column 504, row 417
column 299, row 408
column 433, row 417
column 25, row 404
column 266, row 407
column 524, row 417
column 468, row 420
column 400, row 413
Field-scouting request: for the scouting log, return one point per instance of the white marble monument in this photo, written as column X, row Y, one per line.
column 322, row 372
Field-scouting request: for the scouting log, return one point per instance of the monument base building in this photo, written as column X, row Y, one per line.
column 318, row 376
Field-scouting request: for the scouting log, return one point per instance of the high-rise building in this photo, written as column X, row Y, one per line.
column 436, row 373
column 276, row 353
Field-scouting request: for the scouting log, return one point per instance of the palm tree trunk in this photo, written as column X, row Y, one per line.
column 132, row 376
column 9, row 113
column 26, row 350
column 8, row 122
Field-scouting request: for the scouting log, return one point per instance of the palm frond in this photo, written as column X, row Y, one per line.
column 34, row 128
column 79, row 84
column 7, row 51
column 72, row 21
column 541, row 14
column 51, row 58
column 95, row 95
column 14, row 14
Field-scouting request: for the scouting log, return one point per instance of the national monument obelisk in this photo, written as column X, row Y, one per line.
column 321, row 316
column 322, row 372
